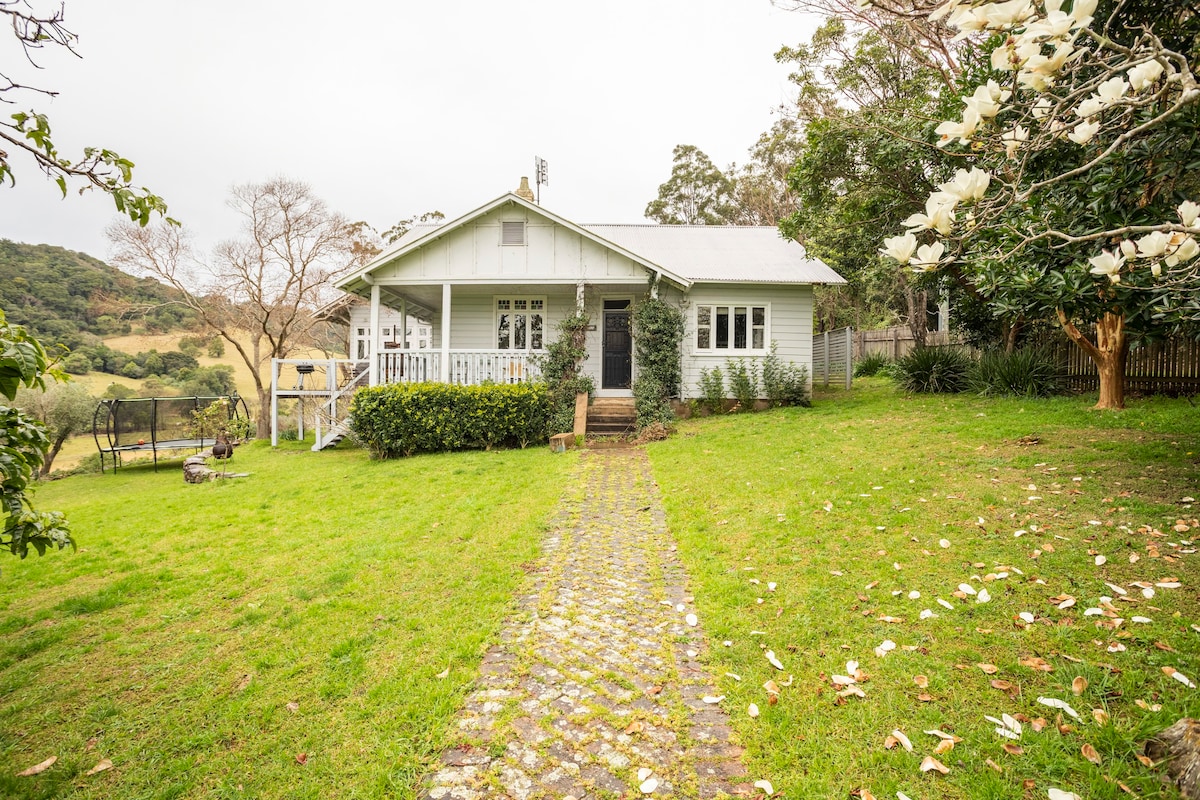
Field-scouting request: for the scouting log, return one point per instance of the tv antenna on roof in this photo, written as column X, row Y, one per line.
column 542, row 174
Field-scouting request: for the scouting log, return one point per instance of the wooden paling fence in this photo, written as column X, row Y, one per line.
column 894, row 342
column 1168, row 367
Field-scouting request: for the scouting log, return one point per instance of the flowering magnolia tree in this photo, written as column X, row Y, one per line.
column 1078, row 191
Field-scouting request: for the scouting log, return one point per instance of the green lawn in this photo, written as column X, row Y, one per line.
column 204, row 637
column 827, row 502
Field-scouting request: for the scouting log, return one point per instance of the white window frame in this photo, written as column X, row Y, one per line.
column 750, row 326
column 528, row 312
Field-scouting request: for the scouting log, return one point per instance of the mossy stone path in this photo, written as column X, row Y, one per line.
column 597, row 676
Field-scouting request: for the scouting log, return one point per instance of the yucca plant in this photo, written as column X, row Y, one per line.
column 934, row 370
column 1029, row 372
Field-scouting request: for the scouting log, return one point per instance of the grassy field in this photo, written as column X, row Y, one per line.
column 207, row 639
column 871, row 495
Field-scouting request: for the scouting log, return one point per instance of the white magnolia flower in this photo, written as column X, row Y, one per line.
column 1054, row 25
column 1041, row 108
column 1033, row 80
column 1144, row 74
column 939, row 214
column 1001, row 16
column 1013, row 139
column 1081, row 12
column 1112, row 90
column 1153, row 244
column 928, row 256
column 967, row 185
column 1188, row 212
column 968, row 21
column 1004, row 58
column 1107, row 264
column 1156, row 269
column 1129, row 249
column 1083, row 132
column 1184, row 252
column 900, row 247
column 1090, row 105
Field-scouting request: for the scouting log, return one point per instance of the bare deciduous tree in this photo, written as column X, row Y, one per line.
column 260, row 290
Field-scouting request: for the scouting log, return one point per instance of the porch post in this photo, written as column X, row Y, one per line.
column 375, row 345
column 579, row 296
column 444, row 367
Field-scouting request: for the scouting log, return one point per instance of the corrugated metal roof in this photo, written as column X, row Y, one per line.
column 720, row 253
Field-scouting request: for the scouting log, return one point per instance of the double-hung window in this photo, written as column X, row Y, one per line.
column 520, row 323
column 731, row 328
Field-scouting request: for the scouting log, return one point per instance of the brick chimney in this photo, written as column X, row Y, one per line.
column 523, row 191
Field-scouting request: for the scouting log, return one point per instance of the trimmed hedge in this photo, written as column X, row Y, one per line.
column 403, row 419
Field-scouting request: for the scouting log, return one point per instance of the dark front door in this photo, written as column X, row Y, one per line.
column 618, row 351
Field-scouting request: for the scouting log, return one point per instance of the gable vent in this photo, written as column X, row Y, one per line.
column 512, row 233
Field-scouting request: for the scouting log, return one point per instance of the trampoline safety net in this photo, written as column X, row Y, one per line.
column 150, row 424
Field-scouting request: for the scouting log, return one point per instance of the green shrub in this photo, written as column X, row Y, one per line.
column 403, row 419
column 934, row 370
column 784, row 383
column 216, row 348
column 648, row 402
column 77, row 364
column 743, row 382
column 871, row 365
column 712, row 389
column 1029, row 372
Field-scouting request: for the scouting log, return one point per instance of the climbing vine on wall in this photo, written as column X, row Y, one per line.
column 657, row 332
column 560, row 370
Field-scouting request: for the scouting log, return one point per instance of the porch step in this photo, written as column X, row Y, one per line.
column 611, row 416
column 334, row 437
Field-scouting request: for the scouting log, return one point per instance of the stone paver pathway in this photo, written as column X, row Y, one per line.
column 597, row 675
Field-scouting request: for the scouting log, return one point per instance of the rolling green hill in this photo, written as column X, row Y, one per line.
column 68, row 298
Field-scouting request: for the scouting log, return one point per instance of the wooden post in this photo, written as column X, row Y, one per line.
column 849, row 355
column 445, row 365
column 274, row 402
column 376, row 348
column 895, row 343
column 825, row 376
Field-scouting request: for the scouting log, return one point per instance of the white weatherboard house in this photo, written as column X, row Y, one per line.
column 495, row 283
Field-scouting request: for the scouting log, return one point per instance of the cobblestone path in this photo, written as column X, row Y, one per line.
column 597, row 675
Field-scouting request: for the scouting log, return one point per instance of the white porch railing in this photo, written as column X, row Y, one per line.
column 467, row 367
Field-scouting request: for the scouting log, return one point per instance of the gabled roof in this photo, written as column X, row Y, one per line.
column 721, row 253
column 419, row 237
column 684, row 254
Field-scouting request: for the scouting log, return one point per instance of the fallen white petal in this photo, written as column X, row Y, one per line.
column 966, row 588
column 765, row 786
column 649, row 785
column 943, row 543
column 1059, row 794
column 711, row 699
column 770, row 654
column 903, row 740
column 752, row 710
column 945, row 604
column 1026, row 617
column 643, row 773
column 1101, row 561
column 692, row 620
column 1054, row 702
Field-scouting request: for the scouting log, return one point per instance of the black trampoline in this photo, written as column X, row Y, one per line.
column 150, row 424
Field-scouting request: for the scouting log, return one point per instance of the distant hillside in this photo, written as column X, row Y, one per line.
column 62, row 296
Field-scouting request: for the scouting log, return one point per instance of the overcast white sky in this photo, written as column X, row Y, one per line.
column 393, row 108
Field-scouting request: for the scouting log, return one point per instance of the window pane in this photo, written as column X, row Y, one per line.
column 703, row 338
column 739, row 328
column 537, row 305
column 519, row 305
column 535, row 331
column 502, row 332
column 760, row 315
column 723, row 326
column 758, row 339
column 504, row 304
column 704, row 316
column 518, row 331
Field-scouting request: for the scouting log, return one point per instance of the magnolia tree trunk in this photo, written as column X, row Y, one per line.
column 1108, row 354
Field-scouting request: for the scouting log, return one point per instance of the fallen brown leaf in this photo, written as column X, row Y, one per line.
column 1090, row 754
column 1038, row 724
column 653, row 690
column 635, row 727
column 293, row 706
column 37, row 769
column 1079, row 685
column 1146, row 760
column 302, row 758
column 1100, row 715
column 1013, row 749
column 925, row 697
column 100, row 767
column 994, row 765
column 944, row 746
column 921, row 681
column 990, row 669
column 1036, row 663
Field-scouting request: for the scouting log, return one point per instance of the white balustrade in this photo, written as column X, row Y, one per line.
column 467, row 367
